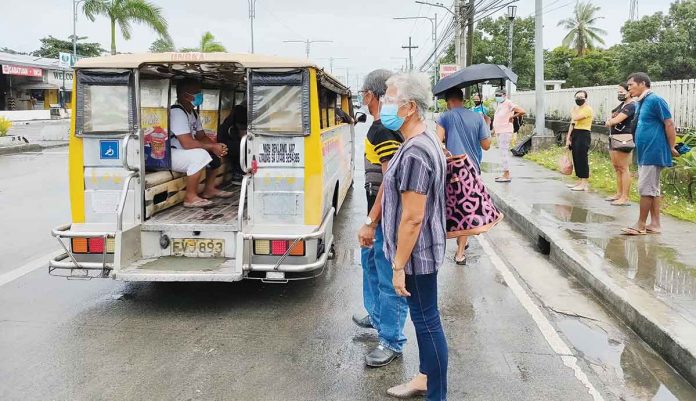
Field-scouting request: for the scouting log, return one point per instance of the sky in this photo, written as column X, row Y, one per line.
column 363, row 33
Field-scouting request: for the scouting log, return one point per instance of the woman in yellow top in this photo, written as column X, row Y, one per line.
column 579, row 140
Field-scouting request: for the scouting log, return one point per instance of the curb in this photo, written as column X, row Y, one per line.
column 28, row 147
column 668, row 333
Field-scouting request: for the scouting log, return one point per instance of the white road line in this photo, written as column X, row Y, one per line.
column 27, row 268
column 547, row 330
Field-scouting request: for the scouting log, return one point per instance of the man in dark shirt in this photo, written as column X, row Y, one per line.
column 386, row 311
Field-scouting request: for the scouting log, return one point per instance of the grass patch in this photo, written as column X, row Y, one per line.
column 603, row 180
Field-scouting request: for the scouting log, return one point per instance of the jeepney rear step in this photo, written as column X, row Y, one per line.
column 221, row 216
column 181, row 268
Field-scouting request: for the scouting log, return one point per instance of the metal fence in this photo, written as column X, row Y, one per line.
column 680, row 95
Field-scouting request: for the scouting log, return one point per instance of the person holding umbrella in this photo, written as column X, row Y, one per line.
column 505, row 113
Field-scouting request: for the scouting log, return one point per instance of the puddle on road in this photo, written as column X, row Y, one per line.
column 643, row 374
column 569, row 213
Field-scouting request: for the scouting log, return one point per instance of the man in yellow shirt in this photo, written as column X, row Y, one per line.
column 579, row 140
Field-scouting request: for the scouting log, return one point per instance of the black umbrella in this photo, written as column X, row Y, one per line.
column 474, row 74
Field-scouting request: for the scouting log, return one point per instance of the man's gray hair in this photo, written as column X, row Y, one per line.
column 501, row 91
column 376, row 82
column 413, row 86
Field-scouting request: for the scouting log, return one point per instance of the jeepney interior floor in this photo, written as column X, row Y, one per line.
column 222, row 211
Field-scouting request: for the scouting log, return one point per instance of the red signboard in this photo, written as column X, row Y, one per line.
column 23, row 71
column 448, row 69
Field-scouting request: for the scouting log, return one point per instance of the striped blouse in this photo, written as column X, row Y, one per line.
column 418, row 166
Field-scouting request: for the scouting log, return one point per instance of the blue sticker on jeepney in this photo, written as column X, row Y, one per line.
column 108, row 149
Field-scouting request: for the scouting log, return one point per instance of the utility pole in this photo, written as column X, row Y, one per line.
column 512, row 12
column 331, row 61
column 410, row 47
column 470, row 33
column 74, row 29
column 252, row 15
column 307, row 43
column 433, row 24
column 539, row 86
column 461, row 33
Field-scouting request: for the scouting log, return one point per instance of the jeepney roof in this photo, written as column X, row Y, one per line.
column 246, row 60
column 242, row 60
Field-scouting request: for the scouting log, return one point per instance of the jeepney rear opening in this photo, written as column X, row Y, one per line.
column 133, row 224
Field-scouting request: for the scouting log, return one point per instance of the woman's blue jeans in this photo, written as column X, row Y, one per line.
column 432, row 345
column 387, row 310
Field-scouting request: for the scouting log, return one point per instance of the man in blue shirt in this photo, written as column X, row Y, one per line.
column 655, row 136
column 464, row 132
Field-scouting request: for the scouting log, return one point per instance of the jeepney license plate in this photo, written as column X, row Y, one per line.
column 198, row 248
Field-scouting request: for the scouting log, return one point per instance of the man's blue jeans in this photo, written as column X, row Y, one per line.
column 387, row 310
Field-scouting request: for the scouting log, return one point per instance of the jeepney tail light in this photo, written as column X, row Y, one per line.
column 262, row 247
column 279, row 247
column 96, row 245
column 79, row 245
column 298, row 249
column 93, row 245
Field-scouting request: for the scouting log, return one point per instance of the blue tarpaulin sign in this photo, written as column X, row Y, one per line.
column 108, row 150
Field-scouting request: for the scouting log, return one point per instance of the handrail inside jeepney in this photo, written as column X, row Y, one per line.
column 242, row 202
column 122, row 201
column 124, row 151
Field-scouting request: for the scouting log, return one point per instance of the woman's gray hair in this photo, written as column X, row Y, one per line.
column 413, row 86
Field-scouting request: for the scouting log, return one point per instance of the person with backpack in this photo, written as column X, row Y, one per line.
column 192, row 150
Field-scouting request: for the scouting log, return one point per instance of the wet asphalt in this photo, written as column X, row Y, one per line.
column 106, row 340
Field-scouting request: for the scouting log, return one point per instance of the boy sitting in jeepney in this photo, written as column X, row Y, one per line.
column 192, row 150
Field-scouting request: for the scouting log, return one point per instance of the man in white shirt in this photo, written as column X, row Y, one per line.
column 192, row 150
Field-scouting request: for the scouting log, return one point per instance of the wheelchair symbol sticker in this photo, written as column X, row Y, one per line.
column 108, row 150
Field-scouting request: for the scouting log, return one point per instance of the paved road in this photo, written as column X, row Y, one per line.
column 518, row 328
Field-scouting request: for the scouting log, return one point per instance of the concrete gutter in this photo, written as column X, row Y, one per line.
column 27, row 147
column 662, row 327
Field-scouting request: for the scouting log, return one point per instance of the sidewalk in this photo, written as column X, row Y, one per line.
column 649, row 281
column 40, row 134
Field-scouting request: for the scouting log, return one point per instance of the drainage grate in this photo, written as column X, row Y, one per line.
column 543, row 245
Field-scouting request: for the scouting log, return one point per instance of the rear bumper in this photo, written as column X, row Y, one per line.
column 67, row 265
column 320, row 233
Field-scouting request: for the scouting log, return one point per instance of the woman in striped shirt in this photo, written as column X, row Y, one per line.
column 414, row 235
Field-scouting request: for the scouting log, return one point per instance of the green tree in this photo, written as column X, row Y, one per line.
column 557, row 62
column 50, row 47
column 162, row 45
column 11, row 51
column 491, row 46
column 207, row 45
column 664, row 46
column 582, row 34
column 595, row 67
column 125, row 12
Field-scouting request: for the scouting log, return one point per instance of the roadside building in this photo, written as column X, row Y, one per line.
column 32, row 85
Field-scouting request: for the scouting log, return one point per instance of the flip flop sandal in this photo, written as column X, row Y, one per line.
column 502, row 179
column 620, row 204
column 571, row 185
column 460, row 262
column 199, row 203
column 651, row 231
column 611, row 199
column 579, row 189
column 220, row 194
column 632, row 231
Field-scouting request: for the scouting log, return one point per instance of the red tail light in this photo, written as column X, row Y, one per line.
column 96, row 245
column 254, row 165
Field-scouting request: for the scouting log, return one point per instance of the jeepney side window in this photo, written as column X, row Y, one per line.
column 328, row 101
column 279, row 102
column 104, row 102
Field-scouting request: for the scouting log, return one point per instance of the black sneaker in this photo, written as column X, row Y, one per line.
column 363, row 322
column 381, row 356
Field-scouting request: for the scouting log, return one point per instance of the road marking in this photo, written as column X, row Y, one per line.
column 547, row 330
column 27, row 267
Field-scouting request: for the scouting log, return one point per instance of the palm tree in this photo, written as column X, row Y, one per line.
column 207, row 45
column 162, row 45
column 582, row 34
column 123, row 13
